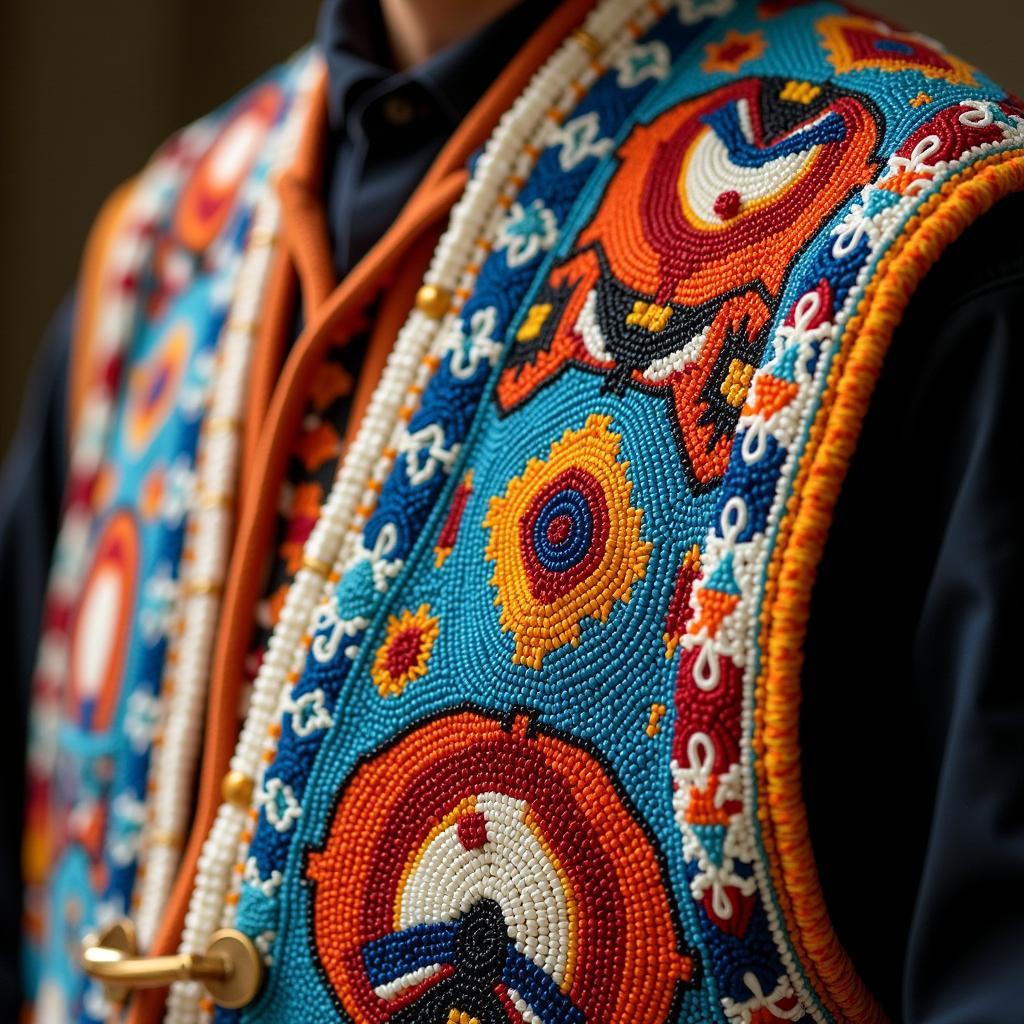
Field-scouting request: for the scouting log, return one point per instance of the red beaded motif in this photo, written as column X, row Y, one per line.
column 476, row 866
column 673, row 283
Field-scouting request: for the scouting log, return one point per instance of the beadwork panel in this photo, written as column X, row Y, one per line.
column 517, row 779
column 117, row 648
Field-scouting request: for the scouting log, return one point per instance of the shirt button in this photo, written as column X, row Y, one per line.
column 398, row 111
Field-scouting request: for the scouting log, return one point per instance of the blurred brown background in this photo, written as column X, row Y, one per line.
column 91, row 88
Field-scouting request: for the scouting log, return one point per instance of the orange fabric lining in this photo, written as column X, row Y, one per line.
column 302, row 249
column 270, row 345
column 940, row 221
column 341, row 310
column 304, row 220
column 90, row 286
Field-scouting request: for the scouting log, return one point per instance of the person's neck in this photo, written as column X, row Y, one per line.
column 417, row 29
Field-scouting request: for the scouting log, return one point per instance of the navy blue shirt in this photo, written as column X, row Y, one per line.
column 912, row 724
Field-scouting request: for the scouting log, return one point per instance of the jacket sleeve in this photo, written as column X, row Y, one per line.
column 965, row 948
column 913, row 715
column 31, row 490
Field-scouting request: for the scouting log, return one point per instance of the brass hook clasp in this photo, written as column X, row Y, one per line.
column 231, row 969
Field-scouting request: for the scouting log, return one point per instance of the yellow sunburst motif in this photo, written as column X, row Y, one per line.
column 565, row 541
column 405, row 652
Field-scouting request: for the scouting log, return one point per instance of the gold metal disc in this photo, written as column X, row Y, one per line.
column 242, row 982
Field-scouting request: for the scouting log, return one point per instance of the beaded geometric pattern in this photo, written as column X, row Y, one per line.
column 536, row 684
column 520, row 777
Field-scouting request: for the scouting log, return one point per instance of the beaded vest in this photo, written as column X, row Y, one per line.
column 523, row 744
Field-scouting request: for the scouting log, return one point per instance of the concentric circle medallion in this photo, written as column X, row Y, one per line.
column 565, row 541
column 208, row 199
column 488, row 870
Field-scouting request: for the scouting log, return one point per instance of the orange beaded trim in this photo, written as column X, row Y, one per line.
column 938, row 223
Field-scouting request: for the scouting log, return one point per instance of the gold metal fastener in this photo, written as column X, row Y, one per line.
column 231, row 969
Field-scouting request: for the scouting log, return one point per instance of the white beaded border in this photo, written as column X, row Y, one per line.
column 500, row 172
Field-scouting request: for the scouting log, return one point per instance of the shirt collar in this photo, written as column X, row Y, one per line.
column 353, row 39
